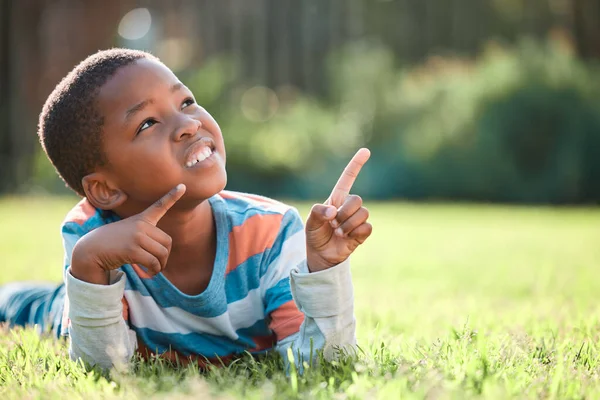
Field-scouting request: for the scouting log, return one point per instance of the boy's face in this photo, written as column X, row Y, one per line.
column 155, row 136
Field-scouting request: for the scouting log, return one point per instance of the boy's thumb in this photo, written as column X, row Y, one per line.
column 319, row 215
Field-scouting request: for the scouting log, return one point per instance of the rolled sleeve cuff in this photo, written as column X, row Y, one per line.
column 324, row 293
column 95, row 305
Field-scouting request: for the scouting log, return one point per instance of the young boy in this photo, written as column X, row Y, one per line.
column 159, row 258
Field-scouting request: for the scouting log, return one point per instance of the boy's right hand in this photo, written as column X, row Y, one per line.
column 134, row 240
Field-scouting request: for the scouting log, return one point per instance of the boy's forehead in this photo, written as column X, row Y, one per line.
column 134, row 83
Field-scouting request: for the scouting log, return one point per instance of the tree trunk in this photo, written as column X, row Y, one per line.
column 6, row 145
column 586, row 14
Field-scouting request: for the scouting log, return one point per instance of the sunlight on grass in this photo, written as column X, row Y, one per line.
column 452, row 301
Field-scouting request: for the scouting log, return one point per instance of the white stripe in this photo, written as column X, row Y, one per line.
column 293, row 251
column 245, row 312
column 145, row 313
column 69, row 240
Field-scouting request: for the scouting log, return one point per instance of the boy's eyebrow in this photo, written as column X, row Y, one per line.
column 140, row 106
column 137, row 108
column 176, row 87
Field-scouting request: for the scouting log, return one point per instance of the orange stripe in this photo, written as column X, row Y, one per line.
column 254, row 236
column 125, row 309
column 286, row 320
column 81, row 212
column 263, row 343
column 140, row 272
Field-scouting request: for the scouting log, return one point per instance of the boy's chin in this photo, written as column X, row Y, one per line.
column 205, row 190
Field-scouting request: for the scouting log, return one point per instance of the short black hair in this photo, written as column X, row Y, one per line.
column 70, row 125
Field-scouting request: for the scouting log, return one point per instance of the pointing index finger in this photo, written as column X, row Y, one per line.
column 158, row 209
column 342, row 188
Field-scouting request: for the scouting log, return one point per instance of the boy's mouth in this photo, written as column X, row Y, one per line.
column 199, row 151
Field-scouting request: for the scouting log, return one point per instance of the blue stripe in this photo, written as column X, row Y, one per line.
column 237, row 218
column 277, row 295
column 260, row 328
column 243, row 279
column 204, row 344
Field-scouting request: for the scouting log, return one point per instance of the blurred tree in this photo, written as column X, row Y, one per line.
column 40, row 41
column 266, row 69
column 586, row 14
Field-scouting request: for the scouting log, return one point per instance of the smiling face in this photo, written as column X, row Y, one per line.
column 155, row 136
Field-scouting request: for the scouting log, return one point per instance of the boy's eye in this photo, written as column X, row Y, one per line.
column 147, row 124
column 187, row 102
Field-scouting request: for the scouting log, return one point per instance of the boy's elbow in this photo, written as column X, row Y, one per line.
column 106, row 358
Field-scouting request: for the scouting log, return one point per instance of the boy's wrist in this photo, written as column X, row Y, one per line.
column 85, row 270
column 316, row 263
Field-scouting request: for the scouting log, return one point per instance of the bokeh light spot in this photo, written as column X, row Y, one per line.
column 135, row 24
column 259, row 104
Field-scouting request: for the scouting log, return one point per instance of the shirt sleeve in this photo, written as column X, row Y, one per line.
column 99, row 334
column 94, row 316
column 309, row 312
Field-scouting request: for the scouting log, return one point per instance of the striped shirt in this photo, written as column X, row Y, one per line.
column 248, row 304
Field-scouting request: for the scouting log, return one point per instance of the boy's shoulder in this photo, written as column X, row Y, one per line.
column 249, row 203
column 257, row 216
column 84, row 217
column 80, row 213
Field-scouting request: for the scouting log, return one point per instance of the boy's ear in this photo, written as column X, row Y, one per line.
column 101, row 192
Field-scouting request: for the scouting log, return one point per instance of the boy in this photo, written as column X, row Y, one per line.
column 159, row 258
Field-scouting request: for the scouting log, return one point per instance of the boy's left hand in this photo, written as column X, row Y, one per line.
column 337, row 227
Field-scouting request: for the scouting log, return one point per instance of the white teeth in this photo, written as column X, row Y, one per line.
column 201, row 156
column 190, row 164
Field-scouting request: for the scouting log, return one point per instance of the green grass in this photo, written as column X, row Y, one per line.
column 451, row 301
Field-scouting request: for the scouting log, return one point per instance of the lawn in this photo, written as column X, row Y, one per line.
column 452, row 301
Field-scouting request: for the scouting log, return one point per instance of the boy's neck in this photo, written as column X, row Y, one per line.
column 191, row 228
column 193, row 250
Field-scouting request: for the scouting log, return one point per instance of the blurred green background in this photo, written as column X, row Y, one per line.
column 477, row 100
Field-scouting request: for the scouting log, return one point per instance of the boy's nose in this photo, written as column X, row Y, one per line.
column 187, row 126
